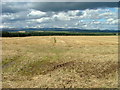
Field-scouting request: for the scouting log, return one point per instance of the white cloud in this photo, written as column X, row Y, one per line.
column 114, row 21
column 97, row 22
column 110, row 19
column 44, row 19
column 61, row 16
column 36, row 13
column 90, row 14
column 108, row 15
column 73, row 12
column 40, row 20
column 2, row 26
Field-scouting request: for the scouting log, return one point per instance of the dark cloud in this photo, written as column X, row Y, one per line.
column 64, row 6
column 13, row 7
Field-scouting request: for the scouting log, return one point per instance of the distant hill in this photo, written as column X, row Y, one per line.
column 56, row 29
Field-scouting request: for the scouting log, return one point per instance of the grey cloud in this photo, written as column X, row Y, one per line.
column 14, row 7
column 65, row 6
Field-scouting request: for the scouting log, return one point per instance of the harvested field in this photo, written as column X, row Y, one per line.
column 60, row 62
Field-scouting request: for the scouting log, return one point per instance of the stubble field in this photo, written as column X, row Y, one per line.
column 60, row 62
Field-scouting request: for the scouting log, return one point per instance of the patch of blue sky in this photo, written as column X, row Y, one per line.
column 113, row 9
column 92, row 20
column 102, row 20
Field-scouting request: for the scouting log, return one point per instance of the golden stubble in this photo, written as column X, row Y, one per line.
column 60, row 62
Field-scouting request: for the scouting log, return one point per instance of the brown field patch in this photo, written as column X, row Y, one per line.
column 60, row 62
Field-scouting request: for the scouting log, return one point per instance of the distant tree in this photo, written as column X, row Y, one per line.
column 5, row 34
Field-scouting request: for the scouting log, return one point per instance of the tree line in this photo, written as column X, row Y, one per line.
column 48, row 33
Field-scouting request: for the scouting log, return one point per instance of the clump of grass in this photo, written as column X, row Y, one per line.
column 37, row 67
column 10, row 60
column 34, row 68
column 55, row 40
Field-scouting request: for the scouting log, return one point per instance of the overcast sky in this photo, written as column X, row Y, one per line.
column 87, row 15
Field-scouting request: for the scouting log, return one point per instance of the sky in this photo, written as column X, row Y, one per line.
column 82, row 15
